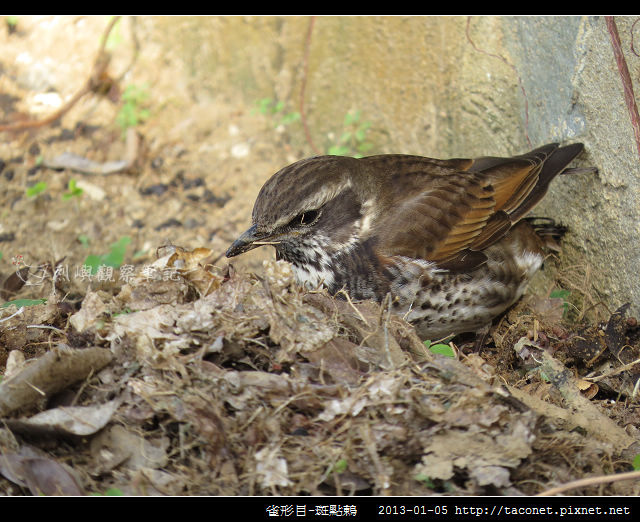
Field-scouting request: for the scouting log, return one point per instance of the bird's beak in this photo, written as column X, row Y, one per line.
column 246, row 242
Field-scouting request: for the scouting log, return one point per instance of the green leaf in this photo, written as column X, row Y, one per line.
column 114, row 258
column 262, row 105
column 289, row 118
column 93, row 262
column 636, row 463
column 36, row 189
column 19, row 303
column 340, row 466
column 278, row 107
column 74, row 190
column 560, row 293
column 84, row 240
column 421, row 477
column 440, row 348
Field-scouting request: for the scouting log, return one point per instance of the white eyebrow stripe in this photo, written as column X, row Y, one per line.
column 315, row 201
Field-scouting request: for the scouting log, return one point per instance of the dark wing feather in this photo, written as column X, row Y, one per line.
column 448, row 211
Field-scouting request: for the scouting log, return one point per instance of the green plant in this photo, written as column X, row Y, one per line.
column 421, row 477
column 19, row 303
column 84, row 240
column 340, row 466
column 562, row 294
column 114, row 258
column 133, row 112
column 74, row 191
column 36, row 189
column 270, row 107
column 636, row 463
column 353, row 139
column 12, row 23
column 441, row 348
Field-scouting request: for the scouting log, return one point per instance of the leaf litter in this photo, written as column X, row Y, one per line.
column 267, row 389
column 194, row 379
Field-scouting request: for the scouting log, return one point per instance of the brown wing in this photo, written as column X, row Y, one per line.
column 449, row 211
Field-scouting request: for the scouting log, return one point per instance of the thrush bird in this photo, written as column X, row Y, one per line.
column 446, row 238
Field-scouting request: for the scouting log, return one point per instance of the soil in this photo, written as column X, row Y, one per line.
column 175, row 373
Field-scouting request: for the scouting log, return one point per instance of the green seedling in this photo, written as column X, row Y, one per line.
column 133, row 112
column 84, row 240
column 353, row 139
column 114, row 258
column 74, row 191
column 270, row 107
column 562, row 294
column 36, row 189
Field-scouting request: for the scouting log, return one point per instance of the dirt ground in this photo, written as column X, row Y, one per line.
column 173, row 373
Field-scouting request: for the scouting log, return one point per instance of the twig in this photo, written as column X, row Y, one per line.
column 612, row 373
column 627, row 85
column 12, row 315
column 591, row 481
column 45, row 327
column 95, row 78
column 507, row 62
column 303, row 117
column 348, row 298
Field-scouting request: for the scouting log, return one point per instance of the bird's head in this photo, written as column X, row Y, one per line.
column 311, row 208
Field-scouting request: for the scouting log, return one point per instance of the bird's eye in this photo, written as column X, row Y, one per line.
column 305, row 218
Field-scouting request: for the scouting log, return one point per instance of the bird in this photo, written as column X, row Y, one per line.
column 448, row 239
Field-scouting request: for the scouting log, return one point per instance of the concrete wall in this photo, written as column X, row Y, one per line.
column 453, row 86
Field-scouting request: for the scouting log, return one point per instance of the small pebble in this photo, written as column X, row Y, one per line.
column 192, row 182
column 154, row 190
column 169, row 223
column 156, row 163
column 240, row 150
column 34, row 150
